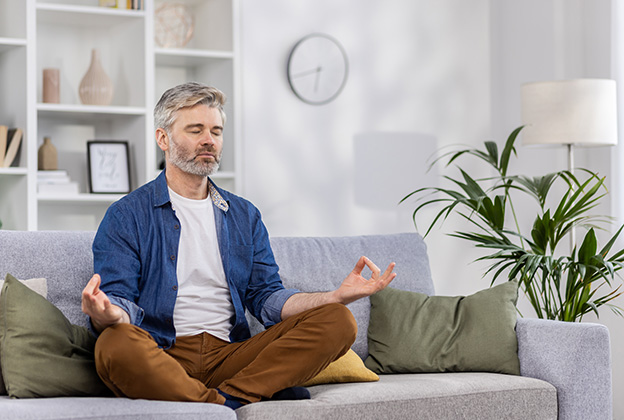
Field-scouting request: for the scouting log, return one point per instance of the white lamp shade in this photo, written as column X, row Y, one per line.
column 581, row 112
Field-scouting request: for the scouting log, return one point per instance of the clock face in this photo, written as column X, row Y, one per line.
column 317, row 69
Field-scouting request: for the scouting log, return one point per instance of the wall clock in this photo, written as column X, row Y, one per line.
column 317, row 69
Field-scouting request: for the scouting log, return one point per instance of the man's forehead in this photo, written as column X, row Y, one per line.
column 199, row 114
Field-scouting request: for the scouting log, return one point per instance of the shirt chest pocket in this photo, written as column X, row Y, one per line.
column 240, row 265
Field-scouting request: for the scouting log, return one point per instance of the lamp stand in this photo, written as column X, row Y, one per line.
column 571, row 170
column 570, row 158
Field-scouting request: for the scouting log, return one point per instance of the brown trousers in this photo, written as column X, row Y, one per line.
column 287, row 354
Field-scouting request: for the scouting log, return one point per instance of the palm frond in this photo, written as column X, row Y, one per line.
column 564, row 287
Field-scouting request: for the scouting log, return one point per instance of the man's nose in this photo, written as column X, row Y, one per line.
column 207, row 139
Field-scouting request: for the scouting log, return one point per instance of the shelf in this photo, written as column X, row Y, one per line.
column 91, row 16
column 13, row 171
column 80, row 198
column 61, row 34
column 87, row 112
column 10, row 43
column 179, row 57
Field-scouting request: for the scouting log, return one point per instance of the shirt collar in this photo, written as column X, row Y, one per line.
column 217, row 198
column 161, row 193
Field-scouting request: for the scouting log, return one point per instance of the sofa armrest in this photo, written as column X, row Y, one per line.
column 573, row 357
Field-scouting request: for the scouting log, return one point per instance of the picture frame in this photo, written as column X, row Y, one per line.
column 108, row 163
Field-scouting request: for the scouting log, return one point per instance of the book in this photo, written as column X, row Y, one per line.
column 4, row 131
column 69, row 188
column 55, row 174
column 56, row 177
column 134, row 4
column 108, row 3
column 14, row 147
column 54, row 180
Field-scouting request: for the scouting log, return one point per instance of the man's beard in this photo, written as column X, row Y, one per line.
column 187, row 162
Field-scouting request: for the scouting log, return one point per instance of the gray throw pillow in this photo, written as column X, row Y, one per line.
column 42, row 354
column 413, row 332
column 38, row 285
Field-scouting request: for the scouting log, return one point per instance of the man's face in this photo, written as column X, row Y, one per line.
column 196, row 141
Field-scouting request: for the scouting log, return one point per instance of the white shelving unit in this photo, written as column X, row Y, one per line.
column 9, row 43
column 38, row 34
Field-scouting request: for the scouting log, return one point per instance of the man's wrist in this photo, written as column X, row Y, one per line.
column 124, row 318
column 98, row 327
column 300, row 302
column 334, row 297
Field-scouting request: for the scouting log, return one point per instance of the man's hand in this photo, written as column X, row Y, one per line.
column 96, row 304
column 355, row 286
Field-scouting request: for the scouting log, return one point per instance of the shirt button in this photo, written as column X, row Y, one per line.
column 172, row 257
column 175, row 287
column 176, row 226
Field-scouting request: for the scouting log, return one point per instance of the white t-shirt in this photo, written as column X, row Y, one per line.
column 203, row 303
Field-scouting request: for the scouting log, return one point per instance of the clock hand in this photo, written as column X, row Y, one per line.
column 307, row 72
column 316, row 81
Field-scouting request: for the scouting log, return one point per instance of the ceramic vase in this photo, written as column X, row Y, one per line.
column 96, row 88
column 47, row 156
column 51, row 86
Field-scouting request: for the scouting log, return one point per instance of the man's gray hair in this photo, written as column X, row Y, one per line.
column 183, row 96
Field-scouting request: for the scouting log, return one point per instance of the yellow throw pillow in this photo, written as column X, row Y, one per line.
column 349, row 368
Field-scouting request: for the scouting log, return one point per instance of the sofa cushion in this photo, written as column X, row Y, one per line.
column 110, row 409
column 42, row 353
column 348, row 368
column 38, row 285
column 413, row 332
column 435, row 396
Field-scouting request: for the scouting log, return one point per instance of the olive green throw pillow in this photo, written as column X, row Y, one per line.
column 413, row 332
column 39, row 285
column 42, row 354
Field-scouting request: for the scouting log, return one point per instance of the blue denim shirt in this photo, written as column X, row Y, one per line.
column 136, row 248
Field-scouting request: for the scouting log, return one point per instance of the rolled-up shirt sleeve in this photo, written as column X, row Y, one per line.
column 272, row 310
column 134, row 311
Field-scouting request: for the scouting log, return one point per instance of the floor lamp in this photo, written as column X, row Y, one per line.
column 580, row 112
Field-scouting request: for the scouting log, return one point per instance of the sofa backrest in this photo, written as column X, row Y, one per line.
column 321, row 264
column 65, row 259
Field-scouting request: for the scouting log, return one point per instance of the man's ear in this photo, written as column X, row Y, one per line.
column 162, row 139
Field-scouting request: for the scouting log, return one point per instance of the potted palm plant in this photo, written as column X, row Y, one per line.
column 561, row 283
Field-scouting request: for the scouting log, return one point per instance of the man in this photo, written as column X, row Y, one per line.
column 178, row 261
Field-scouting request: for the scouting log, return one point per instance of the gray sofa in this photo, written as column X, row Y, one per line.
column 565, row 368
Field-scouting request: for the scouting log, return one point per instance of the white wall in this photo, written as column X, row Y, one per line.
column 537, row 40
column 451, row 69
column 415, row 66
